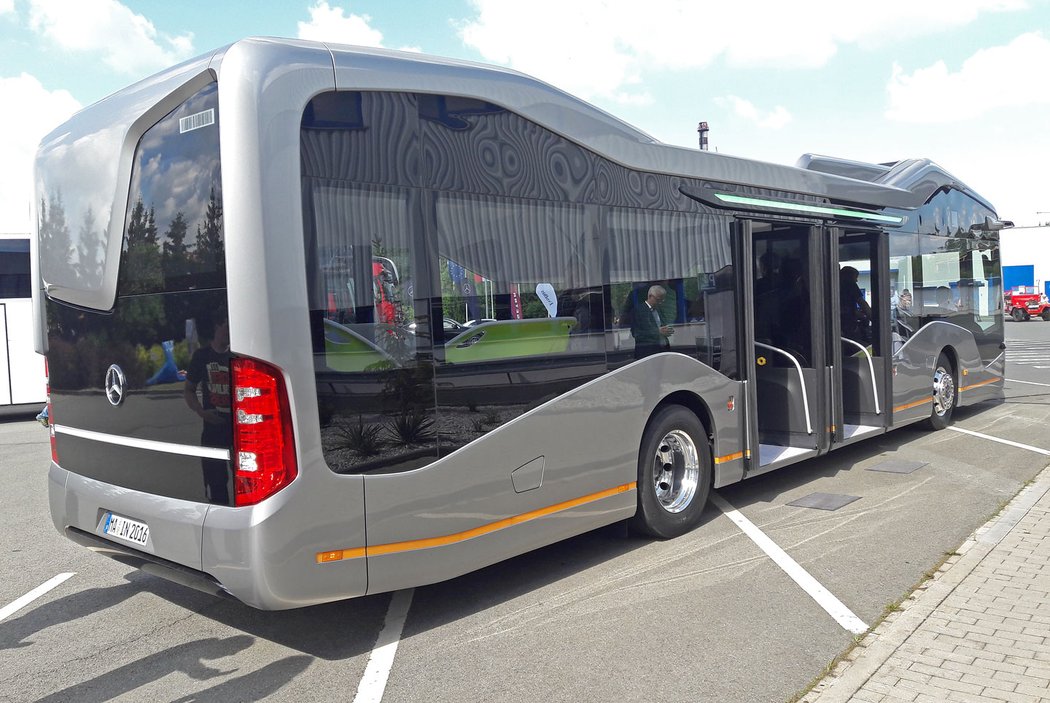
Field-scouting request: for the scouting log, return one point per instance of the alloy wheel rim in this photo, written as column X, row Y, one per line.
column 676, row 471
column 943, row 391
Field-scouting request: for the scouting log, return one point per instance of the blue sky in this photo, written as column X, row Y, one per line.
column 963, row 82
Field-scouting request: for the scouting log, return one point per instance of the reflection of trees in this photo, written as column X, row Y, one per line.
column 151, row 263
column 209, row 254
column 89, row 251
column 175, row 255
column 54, row 232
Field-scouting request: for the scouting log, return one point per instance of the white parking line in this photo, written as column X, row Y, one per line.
column 1037, row 450
column 28, row 598
column 373, row 683
column 1027, row 383
column 824, row 598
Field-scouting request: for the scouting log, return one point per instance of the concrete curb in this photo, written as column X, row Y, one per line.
column 876, row 647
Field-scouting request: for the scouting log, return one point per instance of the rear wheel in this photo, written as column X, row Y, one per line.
column 943, row 393
column 674, row 474
column 1019, row 315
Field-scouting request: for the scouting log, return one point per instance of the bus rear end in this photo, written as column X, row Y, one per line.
column 149, row 465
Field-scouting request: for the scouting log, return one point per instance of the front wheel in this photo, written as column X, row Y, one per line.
column 674, row 474
column 1046, row 315
column 943, row 394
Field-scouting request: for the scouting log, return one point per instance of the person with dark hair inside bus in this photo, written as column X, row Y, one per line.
column 210, row 370
column 650, row 334
column 853, row 308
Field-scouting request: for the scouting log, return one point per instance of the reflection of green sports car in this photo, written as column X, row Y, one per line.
column 504, row 339
column 348, row 350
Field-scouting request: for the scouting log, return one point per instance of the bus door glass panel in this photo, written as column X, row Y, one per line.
column 861, row 313
column 985, row 299
column 786, row 374
column 521, row 308
column 672, row 287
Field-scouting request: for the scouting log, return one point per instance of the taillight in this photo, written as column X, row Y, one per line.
column 50, row 412
column 263, row 446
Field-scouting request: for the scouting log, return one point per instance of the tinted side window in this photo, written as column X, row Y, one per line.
column 690, row 255
column 519, row 277
column 173, row 236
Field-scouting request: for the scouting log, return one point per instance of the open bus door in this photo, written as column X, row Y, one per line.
column 861, row 361
column 817, row 375
column 785, row 326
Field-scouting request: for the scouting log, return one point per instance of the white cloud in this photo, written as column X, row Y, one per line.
column 127, row 42
column 7, row 6
column 332, row 24
column 992, row 79
column 601, row 48
column 777, row 118
column 32, row 112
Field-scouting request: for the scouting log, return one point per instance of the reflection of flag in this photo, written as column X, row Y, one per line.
column 515, row 303
column 455, row 272
column 461, row 281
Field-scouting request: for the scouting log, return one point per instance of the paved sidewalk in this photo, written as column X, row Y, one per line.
column 978, row 631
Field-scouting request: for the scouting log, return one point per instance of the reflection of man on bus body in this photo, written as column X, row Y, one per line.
column 210, row 371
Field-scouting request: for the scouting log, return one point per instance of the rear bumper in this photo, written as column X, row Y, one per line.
column 149, row 563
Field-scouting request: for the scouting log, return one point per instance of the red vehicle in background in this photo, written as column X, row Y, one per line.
column 1025, row 302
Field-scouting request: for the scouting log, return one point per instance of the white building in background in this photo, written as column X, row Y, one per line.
column 22, row 377
column 1026, row 257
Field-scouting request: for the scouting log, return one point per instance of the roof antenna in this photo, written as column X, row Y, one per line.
column 703, row 130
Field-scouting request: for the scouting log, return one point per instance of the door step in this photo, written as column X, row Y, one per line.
column 771, row 453
column 851, row 431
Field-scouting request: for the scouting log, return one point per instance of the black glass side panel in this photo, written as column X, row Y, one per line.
column 158, row 473
column 458, row 262
column 522, row 309
column 158, row 342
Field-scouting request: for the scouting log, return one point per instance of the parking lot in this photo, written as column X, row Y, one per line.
column 721, row 614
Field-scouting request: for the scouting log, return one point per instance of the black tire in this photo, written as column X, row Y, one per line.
column 1046, row 315
column 1018, row 314
column 674, row 474
column 945, row 394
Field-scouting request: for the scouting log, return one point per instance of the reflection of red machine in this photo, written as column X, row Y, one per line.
column 1026, row 302
column 344, row 300
column 384, row 289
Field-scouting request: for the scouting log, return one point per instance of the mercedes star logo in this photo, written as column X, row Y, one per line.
column 115, row 383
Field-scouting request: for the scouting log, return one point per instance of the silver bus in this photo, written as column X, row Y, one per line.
column 324, row 321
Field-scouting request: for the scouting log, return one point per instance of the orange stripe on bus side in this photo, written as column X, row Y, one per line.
column 729, row 457
column 912, row 405
column 394, row 547
column 982, row 383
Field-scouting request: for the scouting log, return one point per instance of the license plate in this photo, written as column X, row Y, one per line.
column 126, row 529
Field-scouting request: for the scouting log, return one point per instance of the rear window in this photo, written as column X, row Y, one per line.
column 173, row 233
column 14, row 269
